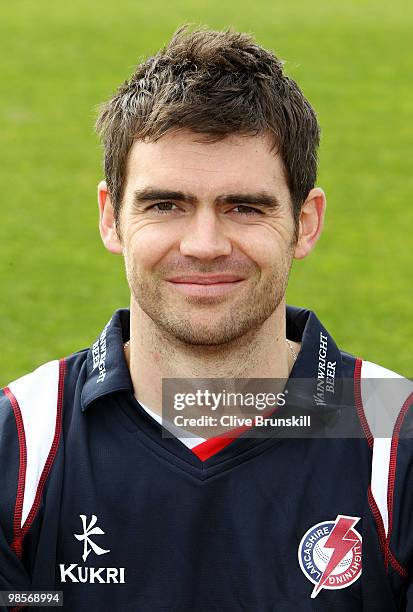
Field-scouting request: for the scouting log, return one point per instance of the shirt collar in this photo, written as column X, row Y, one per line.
column 107, row 370
column 318, row 348
column 316, row 379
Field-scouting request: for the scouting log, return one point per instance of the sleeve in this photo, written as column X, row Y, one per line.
column 400, row 535
column 13, row 574
column 409, row 604
column 30, row 428
column 399, row 550
column 387, row 402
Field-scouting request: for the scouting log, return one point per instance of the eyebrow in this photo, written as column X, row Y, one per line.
column 152, row 194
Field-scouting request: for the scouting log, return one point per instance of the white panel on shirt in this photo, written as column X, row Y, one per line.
column 382, row 402
column 36, row 394
column 184, row 436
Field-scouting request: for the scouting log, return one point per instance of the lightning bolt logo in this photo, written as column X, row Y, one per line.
column 341, row 541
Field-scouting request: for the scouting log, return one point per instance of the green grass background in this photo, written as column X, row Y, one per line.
column 58, row 61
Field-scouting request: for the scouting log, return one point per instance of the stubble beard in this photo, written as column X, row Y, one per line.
column 218, row 324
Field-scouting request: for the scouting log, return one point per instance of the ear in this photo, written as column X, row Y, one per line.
column 107, row 226
column 311, row 222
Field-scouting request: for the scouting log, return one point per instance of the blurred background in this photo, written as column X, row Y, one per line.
column 58, row 61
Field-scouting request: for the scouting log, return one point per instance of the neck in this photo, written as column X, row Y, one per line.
column 153, row 355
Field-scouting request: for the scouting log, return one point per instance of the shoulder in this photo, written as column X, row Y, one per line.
column 35, row 401
column 31, row 409
column 385, row 399
column 36, row 397
column 384, row 396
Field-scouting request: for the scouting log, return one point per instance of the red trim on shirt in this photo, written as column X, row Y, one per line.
column 18, row 508
column 393, row 460
column 359, row 402
column 387, row 553
column 210, row 447
column 378, row 518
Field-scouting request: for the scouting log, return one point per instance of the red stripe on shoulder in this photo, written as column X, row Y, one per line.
column 52, row 453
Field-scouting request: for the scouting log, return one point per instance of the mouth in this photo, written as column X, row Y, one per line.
column 212, row 285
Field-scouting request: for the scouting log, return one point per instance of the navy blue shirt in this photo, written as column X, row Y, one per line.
column 96, row 503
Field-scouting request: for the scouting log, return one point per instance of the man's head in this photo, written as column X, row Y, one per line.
column 210, row 156
column 215, row 84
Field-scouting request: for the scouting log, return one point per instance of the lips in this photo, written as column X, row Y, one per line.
column 203, row 286
column 211, row 279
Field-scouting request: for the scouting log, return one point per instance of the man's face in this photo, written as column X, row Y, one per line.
column 207, row 234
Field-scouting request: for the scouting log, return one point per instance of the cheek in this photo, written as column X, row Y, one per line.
column 148, row 245
column 264, row 246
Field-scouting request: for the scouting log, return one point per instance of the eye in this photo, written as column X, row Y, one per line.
column 242, row 209
column 163, row 207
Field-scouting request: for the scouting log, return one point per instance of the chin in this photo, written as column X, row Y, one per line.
column 197, row 334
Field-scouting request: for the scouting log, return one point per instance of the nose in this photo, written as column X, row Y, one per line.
column 204, row 236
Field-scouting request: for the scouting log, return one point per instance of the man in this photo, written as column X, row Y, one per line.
column 210, row 163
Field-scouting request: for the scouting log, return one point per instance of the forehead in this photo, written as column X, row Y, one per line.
column 191, row 162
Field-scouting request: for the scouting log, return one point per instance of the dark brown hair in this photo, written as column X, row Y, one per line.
column 213, row 83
